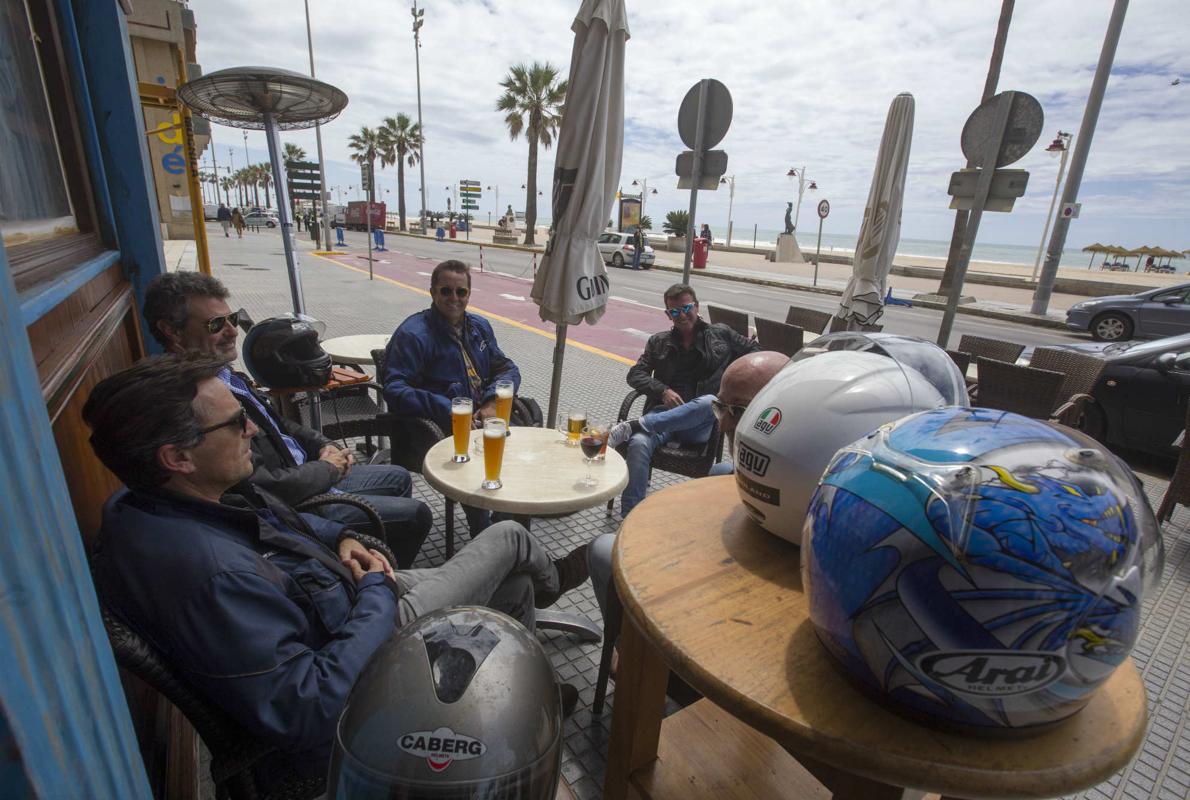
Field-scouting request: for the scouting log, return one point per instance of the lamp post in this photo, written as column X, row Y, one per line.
column 497, row 201
column 730, row 181
column 322, row 193
column 418, row 20
column 643, row 183
column 802, row 180
column 1060, row 144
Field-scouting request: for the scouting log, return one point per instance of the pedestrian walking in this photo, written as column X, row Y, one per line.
column 223, row 217
column 297, row 218
column 638, row 247
column 705, row 233
column 314, row 225
column 237, row 221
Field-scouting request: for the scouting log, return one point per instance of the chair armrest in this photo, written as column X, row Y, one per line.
column 626, row 406
column 1069, row 412
column 355, row 501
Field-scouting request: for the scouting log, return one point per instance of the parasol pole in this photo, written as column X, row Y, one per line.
column 556, row 377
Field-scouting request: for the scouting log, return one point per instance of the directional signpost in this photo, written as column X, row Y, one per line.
column 469, row 195
column 824, row 208
column 303, row 181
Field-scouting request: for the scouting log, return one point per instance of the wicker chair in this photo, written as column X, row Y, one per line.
column 1081, row 371
column 1023, row 390
column 693, row 461
column 234, row 751
column 1178, row 491
column 839, row 324
column 807, row 319
column 779, row 336
column 736, row 320
column 1000, row 350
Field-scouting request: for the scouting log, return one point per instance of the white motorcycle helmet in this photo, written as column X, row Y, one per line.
column 795, row 424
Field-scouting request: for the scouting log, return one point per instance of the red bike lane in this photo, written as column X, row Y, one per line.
column 621, row 332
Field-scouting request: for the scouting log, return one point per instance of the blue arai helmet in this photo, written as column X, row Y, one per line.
column 979, row 569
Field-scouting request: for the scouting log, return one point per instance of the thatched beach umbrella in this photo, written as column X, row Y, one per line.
column 1093, row 249
column 1144, row 250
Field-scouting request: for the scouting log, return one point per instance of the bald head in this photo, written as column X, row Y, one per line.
column 745, row 377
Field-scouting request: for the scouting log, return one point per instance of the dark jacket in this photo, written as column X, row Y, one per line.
column 424, row 368
column 247, row 600
column 717, row 346
column 223, row 214
column 274, row 468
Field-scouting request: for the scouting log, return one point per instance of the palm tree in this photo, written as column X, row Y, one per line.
column 293, row 153
column 264, row 176
column 367, row 146
column 533, row 102
column 400, row 141
column 226, row 185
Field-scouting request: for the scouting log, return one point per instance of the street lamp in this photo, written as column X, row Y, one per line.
column 1060, row 144
column 802, row 181
column 418, row 20
column 643, row 183
column 730, row 181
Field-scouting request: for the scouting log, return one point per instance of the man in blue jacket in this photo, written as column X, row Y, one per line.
column 268, row 613
column 442, row 353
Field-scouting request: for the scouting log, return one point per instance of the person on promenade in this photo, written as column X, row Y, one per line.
column 638, row 246
column 679, row 371
column 237, row 221
column 269, row 614
column 442, row 353
column 705, row 233
column 188, row 312
column 223, row 217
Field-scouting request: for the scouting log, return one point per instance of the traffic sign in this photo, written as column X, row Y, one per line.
column 714, row 164
column 824, row 208
column 467, row 205
column 716, row 115
column 1025, row 119
column 365, row 177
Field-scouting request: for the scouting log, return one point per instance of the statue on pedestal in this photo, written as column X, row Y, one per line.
column 510, row 219
column 789, row 217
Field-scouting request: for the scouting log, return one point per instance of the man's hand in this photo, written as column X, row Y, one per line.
column 671, row 399
column 362, row 560
column 342, row 459
column 485, row 411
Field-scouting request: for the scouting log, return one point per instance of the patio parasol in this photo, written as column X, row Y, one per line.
column 863, row 299
column 572, row 284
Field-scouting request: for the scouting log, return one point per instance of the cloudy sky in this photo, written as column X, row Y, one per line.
column 811, row 82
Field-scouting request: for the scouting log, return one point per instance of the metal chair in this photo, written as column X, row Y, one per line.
column 998, row 349
column 1023, row 390
column 1178, row 491
column 779, row 336
column 807, row 319
column 1081, row 370
column 234, row 750
column 736, row 320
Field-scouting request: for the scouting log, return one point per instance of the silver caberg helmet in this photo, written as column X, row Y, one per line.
column 462, row 703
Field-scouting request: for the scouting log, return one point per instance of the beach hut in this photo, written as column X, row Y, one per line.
column 1093, row 249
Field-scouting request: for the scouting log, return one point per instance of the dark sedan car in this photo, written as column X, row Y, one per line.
column 1145, row 315
column 1140, row 402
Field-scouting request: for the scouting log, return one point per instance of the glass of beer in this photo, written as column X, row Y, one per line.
column 572, row 426
column 504, row 393
column 593, row 439
column 494, row 431
column 461, row 409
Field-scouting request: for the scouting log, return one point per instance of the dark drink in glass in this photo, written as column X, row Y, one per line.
column 592, row 445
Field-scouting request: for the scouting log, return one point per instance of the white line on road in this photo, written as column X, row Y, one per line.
column 513, row 297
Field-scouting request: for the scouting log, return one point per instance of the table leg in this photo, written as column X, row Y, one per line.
column 848, row 786
column 636, row 717
column 450, row 528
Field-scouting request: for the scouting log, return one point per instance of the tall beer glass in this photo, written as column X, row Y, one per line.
column 504, row 392
column 460, row 425
column 494, row 430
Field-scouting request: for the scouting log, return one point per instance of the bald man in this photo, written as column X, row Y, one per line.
column 741, row 381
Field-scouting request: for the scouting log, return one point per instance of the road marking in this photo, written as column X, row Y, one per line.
column 637, row 333
column 501, row 318
column 513, row 297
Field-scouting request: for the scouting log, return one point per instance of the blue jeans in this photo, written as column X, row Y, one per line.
column 722, row 468
column 636, row 258
column 689, row 423
column 389, row 490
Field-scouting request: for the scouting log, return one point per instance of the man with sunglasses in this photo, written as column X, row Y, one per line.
column 268, row 614
column 187, row 312
column 442, row 353
column 679, row 372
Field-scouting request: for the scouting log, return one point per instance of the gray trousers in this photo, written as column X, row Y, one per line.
column 502, row 569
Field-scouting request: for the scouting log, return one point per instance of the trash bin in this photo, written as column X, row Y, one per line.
column 701, row 248
column 454, row 229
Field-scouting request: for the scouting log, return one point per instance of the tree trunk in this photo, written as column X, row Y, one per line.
column 267, row 184
column 531, row 191
column 256, row 193
column 401, row 188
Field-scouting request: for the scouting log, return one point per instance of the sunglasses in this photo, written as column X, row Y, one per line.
column 240, row 419
column 459, row 291
column 678, row 311
column 721, row 409
column 216, row 324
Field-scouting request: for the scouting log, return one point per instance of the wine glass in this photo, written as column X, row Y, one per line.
column 592, row 440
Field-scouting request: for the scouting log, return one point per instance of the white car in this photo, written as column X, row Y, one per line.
column 260, row 216
column 616, row 249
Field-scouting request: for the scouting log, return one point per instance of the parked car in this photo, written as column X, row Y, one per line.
column 1140, row 401
column 210, row 211
column 1146, row 315
column 616, row 249
column 261, row 216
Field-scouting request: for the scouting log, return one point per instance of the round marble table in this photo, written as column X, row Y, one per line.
column 355, row 349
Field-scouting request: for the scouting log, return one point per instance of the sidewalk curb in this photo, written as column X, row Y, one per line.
column 1022, row 317
column 521, row 247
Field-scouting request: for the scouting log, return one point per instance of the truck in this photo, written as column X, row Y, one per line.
column 357, row 215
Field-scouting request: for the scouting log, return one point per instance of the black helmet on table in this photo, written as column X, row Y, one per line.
column 283, row 352
column 462, row 703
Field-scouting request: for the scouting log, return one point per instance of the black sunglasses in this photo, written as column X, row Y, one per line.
column 721, row 409
column 240, row 419
column 216, row 324
column 459, row 291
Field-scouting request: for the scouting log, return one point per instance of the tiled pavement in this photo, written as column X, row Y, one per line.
column 349, row 304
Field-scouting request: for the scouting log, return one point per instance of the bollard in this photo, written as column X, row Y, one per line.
column 534, row 264
column 481, row 258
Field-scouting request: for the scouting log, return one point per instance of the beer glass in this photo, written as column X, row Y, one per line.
column 594, row 439
column 572, row 426
column 504, row 392
column 494, row 431
column 461, row 409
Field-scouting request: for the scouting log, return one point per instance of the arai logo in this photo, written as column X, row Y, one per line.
column 442, row 746
column 993, row 673
column 768, row 420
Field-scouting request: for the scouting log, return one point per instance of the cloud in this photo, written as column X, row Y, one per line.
column 811, row 83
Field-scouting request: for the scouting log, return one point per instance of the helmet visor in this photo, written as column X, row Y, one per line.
column 926, row 357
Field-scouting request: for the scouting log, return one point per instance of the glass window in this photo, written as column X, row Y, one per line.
column 34, row 202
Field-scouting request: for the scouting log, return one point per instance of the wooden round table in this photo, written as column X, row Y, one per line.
column 355, row 349
column 719, row 601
